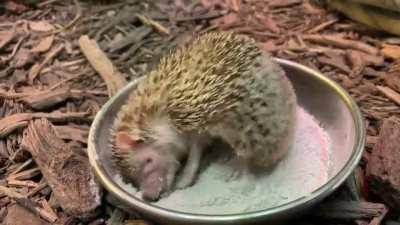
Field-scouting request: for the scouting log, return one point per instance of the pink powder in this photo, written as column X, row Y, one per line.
column 308, row 131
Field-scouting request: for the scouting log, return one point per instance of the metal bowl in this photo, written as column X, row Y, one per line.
column 320, row 96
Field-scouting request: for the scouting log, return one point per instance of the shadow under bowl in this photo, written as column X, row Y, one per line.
column 321, row 97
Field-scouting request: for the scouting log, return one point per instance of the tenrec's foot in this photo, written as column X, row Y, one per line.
column 239, row 169
column 184, row 182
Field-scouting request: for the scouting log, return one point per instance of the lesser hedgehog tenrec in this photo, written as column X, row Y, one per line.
column 220, row 85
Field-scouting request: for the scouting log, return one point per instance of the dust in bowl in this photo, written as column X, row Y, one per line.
column 303, row 170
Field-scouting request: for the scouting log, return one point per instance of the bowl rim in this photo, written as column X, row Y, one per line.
column 317, row 194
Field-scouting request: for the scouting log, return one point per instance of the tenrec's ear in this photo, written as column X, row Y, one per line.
column 124, row 141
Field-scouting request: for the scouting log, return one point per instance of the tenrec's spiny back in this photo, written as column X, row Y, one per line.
column 195, row 84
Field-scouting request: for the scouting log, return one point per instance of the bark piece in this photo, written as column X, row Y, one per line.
column 18, row 215
column 35, row 70
column 67, row 172
column 392, row 80
column 383, row 168
column 6, row 38
column 22, row 183
column 72, row 133
column 27, row 203
column 391, row 94
column 284, row 3
column 27, row 174
column 40, row 26
column 98, row 59
column 340, row 42
column 351, row 210
column 44, row 45
column 160, row 28
column 47, row 99
column 391, row 51
column 10, row 123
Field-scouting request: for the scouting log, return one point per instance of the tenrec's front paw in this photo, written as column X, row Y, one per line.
column 235, row 175
column 184, row 183
column 165, row 194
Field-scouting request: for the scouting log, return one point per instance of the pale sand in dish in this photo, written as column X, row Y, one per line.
column 303, row 170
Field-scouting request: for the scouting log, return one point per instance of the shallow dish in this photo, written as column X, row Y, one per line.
column 320, row 96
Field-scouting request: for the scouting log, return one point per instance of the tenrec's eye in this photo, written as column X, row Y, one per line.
column 149, row 160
